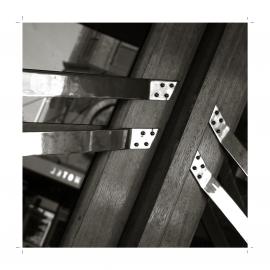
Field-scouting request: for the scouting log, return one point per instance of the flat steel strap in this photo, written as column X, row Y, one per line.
column 219, row 196
column 228, row 139
column 37, row 83
column 64, row 142
column 48, row 127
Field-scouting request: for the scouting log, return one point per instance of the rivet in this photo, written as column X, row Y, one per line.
column 194, row 168
column 220, row 120
column 146, row 143
column 156, row 94
column 171, row 85
column 216, row 112
column 199, row 176
column 218, row 130
column 152, row 133
column 143, row 133
column 166, row 95
column 213, row 122
column 202, row 166
column 198, row 157
column 162, row 84
column 136, row 144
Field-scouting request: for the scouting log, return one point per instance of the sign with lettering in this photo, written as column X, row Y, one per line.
column 54, row 171
column 66, row 174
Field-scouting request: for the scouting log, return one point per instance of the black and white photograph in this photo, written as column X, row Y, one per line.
column 134, row 135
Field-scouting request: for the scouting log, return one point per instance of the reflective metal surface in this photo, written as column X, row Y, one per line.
column 48, row 127
column 219, row 196
column 82, row 85
column 237, row 151
column 142, row 138
column 218, row 124
column 63, row 142
column 228, row 139
column 161, row 90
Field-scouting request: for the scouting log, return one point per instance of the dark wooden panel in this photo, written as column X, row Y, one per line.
column 115, row 178
column 180, row 203
column 171, row 136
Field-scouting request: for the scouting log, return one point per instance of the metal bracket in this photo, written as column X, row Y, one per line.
column 228, row 140
column 219, row 196
column 142, row 138
column 38, row 83
column 82, row 141
column 161, row 90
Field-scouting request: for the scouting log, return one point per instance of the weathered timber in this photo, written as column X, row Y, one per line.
column 180, row 204
column 115, row 178
column 172, row 135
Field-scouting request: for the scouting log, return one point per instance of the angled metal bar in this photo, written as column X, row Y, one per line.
column 213, row 227
column 48, row 127
column 38, row 83
column 229, row 182
column 63, row 142
column 228, row 140
column 219, row 196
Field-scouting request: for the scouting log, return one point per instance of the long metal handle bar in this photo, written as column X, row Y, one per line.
column 219, row 196
column 63, row 142
column 37, row 83
column 228, row 140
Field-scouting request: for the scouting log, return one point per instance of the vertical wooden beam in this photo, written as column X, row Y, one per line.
column 180, row 204
column 115, row 178
column 171, row 136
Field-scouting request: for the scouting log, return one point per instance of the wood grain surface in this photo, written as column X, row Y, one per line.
column 180, row 204
column 171, row 136
column 115, row 178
